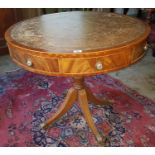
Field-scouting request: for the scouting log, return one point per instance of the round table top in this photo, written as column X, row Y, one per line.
column 77, row 43
column 69, row 32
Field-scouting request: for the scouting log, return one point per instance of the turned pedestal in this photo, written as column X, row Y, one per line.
column 83, row 95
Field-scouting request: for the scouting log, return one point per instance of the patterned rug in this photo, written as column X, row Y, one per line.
column 28, row 99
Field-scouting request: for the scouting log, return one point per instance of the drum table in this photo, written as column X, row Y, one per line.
column 77, row 44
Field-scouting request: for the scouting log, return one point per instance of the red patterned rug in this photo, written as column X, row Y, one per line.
column 28, row 99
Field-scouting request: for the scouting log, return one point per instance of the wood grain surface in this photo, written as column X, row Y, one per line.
column 74, row 43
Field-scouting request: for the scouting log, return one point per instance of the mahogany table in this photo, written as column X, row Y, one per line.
column 77, row 44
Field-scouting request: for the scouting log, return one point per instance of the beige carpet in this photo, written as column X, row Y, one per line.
column 140, row 76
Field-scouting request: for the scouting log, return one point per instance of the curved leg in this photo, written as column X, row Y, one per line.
column 82, row 97
column 95, row 100
column 66, row 105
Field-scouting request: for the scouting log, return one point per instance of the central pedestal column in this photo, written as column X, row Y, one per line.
column 82, row 94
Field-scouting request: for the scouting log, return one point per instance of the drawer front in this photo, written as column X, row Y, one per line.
column 95, row 65
column 138, row 51
column 34, row 62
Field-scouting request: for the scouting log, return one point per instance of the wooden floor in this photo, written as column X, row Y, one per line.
column 140, row 76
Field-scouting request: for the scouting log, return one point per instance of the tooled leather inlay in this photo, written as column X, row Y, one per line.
column 66, row 32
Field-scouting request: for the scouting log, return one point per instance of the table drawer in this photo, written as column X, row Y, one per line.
column 35, row 62
column 94, row 65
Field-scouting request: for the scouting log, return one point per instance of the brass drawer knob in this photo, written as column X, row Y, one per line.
column 146, row 47
column 29, row 62
column 99, row 66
